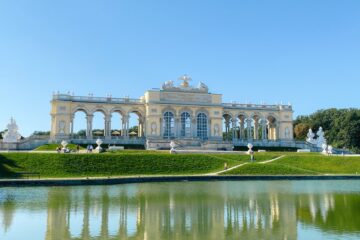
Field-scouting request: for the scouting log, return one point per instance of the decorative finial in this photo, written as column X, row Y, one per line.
column 185, row 78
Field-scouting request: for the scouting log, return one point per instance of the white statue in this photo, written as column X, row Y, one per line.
column 185, row 78
column 310, row 137
column 321, row 137
column 202, row 87
column 172, row 147
column 168, row 85
column 12, row 135
column 330, row 150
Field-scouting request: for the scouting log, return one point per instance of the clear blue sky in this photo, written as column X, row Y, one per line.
column 305, row 52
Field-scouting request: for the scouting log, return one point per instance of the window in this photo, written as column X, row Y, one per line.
column 168, row 125
column 202, row 126
column 185, row 125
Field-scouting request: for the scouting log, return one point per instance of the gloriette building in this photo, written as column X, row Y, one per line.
column 191, row 116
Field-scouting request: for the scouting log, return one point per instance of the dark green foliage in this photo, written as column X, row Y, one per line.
column 341, row 126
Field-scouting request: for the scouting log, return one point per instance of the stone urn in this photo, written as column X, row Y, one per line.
column 324, row 147
column 172, row 147
column 64, row 143
column 250, row 146
column 330, row 149
column 99, row 142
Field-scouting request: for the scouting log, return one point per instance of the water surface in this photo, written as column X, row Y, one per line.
column 184, row 210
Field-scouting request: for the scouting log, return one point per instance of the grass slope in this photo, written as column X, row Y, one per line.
column 52, row 147
column 268, row 169
column 125, row 163
column 323, row 164
column 302, row 164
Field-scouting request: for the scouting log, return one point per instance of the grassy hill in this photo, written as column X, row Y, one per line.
column 139, row 162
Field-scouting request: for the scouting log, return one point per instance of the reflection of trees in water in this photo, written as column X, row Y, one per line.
column 177, row 211
column 7, row 209
column 337, row 213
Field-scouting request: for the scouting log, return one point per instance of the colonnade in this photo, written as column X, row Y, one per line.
column 125, row 126
column 250, row 128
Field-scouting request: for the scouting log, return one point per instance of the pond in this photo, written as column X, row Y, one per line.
column 321, row 209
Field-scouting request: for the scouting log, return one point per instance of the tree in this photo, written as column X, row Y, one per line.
column 301, row 130
column 2, row 133
column 341, row 126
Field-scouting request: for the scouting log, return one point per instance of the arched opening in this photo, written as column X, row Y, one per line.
column 255, row 126
column 136, row 125
column 242, row 126
column 185, row 122
column 202, row 126
column 117, row 130
column 78, row 125
column 227, row 127
column 168, row 125
column 272, row 132
column 98, row 124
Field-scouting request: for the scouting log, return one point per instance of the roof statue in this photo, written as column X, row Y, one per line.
column 12, row 135
column 185, row 78
column 184, row 86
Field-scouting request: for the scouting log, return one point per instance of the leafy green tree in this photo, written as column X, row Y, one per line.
column 341, row 126
column 301, row 130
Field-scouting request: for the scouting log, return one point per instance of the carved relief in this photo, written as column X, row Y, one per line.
column 62, row 127
column 153, row 128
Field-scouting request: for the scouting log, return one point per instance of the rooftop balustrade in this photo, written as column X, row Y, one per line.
column 257, row 106
column 91, row 99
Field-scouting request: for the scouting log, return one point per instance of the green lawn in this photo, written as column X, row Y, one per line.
column 113, row 164
column 302, row 164
column 52, row 147
column 140, row 162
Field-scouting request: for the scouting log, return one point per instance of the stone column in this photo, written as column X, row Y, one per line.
column 139, row 129
column 242, row 133
column 233, row 122
column 256, row 129
column 194, row 127
column 177, row 126
column 89, row 120
column 72, row 126
column 277, row 131
column 264, row 127
column 125, row 126
column 248, row 123
column 161, row 128
column 107, row 130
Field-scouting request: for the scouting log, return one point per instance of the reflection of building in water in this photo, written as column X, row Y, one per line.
column 151, row 211
column 159, row 214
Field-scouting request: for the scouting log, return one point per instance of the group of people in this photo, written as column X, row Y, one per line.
column 89, row 148
column 60, row 149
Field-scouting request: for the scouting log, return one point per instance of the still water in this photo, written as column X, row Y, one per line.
column 184, row 210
